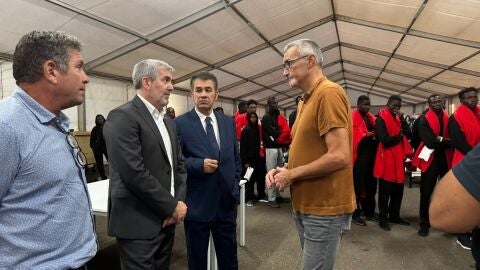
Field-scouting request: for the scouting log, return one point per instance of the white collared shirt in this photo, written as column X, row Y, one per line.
column 214, row 124
column 158, row 118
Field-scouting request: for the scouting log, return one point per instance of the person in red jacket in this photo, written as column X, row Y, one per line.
column 241, row 120
column 276, row 138
column 389, row 168
column 433, row 134
column 464, row 129
column 364, row 145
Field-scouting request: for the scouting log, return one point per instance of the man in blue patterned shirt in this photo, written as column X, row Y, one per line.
column 45, row 212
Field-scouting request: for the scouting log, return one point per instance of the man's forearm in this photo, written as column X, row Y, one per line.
column 324, row 165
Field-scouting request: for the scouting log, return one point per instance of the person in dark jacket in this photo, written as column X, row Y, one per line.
column 252, row 156
column 97, row 143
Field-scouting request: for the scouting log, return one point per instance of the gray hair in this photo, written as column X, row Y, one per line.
column 306, row 47
column 148, row 68
column 37, row 47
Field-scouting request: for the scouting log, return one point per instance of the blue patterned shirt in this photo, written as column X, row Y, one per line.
column 45, row 213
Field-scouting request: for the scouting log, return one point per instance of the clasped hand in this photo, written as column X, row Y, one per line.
column 278, row 177
column 178, row 215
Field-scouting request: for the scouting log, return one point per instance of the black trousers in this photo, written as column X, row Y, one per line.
column 258, row 177
column 99, row 162
column 390, row 197
column 429, row 178
column 152, row 253
column 224, row 233
column 363, row 180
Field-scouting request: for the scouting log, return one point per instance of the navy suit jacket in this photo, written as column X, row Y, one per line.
column 209, row 193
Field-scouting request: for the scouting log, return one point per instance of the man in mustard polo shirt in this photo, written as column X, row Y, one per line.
column 319, row 168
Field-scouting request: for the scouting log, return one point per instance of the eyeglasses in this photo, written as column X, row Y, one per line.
column 80, row 156
column 287, row 65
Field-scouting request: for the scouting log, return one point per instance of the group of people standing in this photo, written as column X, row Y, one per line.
column 166, row 171
column 381, row 146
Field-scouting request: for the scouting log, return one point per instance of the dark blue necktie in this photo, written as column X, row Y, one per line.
column 211, row 137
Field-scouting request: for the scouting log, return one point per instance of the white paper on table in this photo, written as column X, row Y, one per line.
column 248, row 173
column 425, row 153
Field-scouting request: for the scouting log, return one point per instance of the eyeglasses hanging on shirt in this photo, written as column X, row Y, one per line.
column 77, row 152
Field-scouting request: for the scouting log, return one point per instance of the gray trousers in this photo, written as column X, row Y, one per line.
column 274, row 158
column 320, row 238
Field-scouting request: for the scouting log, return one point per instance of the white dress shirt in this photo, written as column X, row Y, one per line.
column 158, row 118
column 214, row 124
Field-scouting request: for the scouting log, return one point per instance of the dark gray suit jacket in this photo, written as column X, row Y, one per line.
column 139, row 171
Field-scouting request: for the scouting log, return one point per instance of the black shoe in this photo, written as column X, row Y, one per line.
column 373, row 218
column 273, row 204
column 283, row 200
column 400, row 221
column 250, row 203
column 465, row 241
column 384, row 225
column 359, row 221
column 423, row 231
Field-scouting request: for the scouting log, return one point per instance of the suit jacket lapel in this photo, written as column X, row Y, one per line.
column 222, row 131
column 145, row 114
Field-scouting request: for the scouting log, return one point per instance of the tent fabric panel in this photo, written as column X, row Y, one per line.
column 367, row 36
column 451, row 18
column 214, row 38
column 98, row 39
column 324, row 35
column 411, row 68
column 360, row 78
column 433, row 51
column 393, row 12
column 21, row 17
column 460, row 79
column 123, row 65
column 331, row 55
column 146, row 19
column 359, row 69
column 400, row 79
column 274, row 18
column 332, row 69
column 239, row 90
column 260, row 95
column 271, row 78
column 471, row 64
column 391, row 85
column 83, row 4
column 438, row 88
column 364, row 57
column 254, row 63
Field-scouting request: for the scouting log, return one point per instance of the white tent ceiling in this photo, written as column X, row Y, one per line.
column 383, row 47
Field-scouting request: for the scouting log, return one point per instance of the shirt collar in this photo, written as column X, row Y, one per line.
column 203, row 116
column 41, row 113
column 315, row 86
column 156, row 114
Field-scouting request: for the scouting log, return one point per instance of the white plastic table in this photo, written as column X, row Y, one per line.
column 99, row 196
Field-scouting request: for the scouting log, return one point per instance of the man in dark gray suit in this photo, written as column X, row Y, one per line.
column 147, row 173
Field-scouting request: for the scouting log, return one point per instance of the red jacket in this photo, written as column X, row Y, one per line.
column 389, row 160
column 359, row 130
column 241, row 121
column 470, row 125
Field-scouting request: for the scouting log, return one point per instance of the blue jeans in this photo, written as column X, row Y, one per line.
column 320, row 238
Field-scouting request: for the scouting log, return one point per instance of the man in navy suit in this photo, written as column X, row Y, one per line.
column 214, row 167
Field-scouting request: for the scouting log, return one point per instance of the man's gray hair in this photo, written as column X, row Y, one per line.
column 37, row 47
column 148, row 68
column 306, row 47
